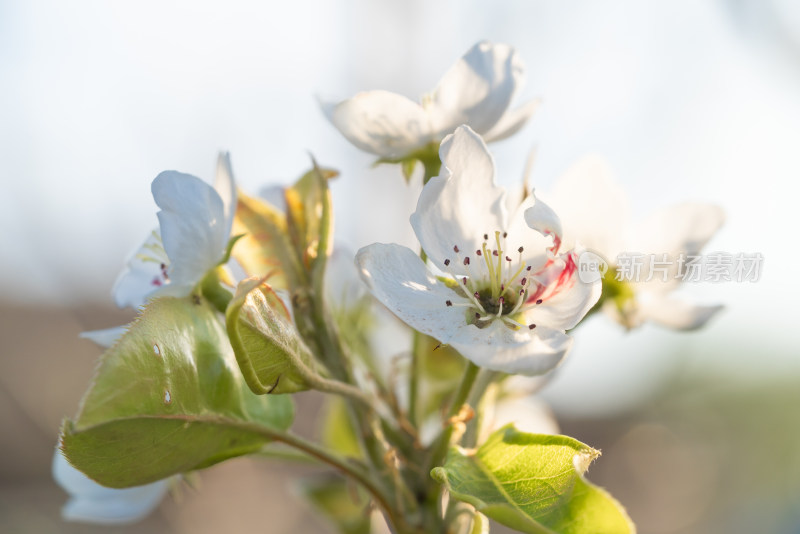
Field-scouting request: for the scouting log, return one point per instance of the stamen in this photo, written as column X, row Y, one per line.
column 447, row 262
column 466, row 260
column 539, row 301
column 523, row 281
column 455, row 249
column 478, row 252
column 486, row 237
column 520, row 249
column 531, row 326
column 448, row 302
column 508, row 320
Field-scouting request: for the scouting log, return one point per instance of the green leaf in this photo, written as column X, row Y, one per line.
column 346, row 507
column 271, row 355
column 168, row 398
column 263, row 249
column 533, row 483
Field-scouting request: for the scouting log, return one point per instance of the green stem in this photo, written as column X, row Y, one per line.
column 347, row 468
column 440, row 446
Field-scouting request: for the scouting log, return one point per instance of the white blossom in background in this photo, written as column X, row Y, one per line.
column 194, row 228
column 595, row 211
column 497, row 289
column 476, row 91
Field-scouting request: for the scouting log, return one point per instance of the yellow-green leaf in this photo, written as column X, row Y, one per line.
column 533, row 483
column 264, row 247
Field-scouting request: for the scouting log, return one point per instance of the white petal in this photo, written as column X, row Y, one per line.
column 398, row 279
column 142, row 274
column 225, row 187
column 478, row 89
column 463, row 203
column 523, row 351
column 569, row 304
column 106, row 337
column 512, row 121
column 592, row 206
column 675, row 313
column 193, row 226
column 684, row 228
column 382, row 123
column 543, row 219
column 535, row 245
column 90, row 502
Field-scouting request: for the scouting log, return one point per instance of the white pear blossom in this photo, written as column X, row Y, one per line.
column 497, row 289
column 194, row 228
column 476, row 91
column 595, row 210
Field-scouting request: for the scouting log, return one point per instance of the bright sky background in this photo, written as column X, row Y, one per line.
column 688, row 100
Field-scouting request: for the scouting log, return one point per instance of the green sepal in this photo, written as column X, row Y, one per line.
column 168, row 398
column 533, row 483
column 271, row 355
column 427, row 155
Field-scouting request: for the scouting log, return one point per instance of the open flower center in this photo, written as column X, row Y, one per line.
column 495, row 283
column 153, row 252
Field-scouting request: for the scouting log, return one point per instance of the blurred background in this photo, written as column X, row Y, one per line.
column 688, row 100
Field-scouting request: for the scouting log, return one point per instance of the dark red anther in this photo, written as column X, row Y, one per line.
column 464, row 280
column 477, row 295
column 523, row 281
column 449, row 302
column 531, row 326
column 508, row 259
column 529, row 268
column 495, row 253
column 455, row 249
column 486, row 237
column 447, row 262
column 466, row 260
column 520, row 249
column 539, row 301
column 505, row 235
column 478, row 252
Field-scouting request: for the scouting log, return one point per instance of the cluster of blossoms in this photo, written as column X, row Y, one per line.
column 495, row 281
